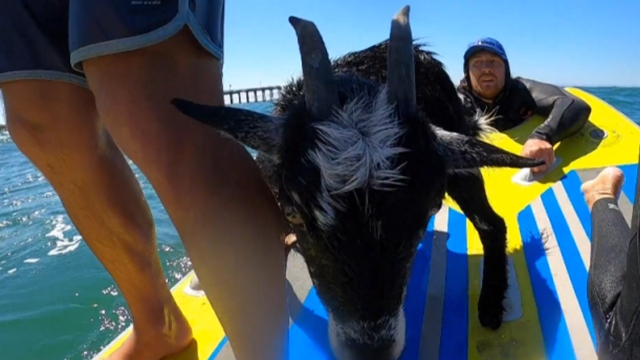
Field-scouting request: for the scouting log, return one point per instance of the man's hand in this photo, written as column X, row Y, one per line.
column 539, row 149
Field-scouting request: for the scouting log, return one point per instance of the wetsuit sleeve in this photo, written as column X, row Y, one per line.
column 566, row 114
column 613, row 285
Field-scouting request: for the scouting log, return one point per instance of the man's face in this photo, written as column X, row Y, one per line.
column 487, row 72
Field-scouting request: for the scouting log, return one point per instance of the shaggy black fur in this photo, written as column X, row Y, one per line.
column 360, row 263
column 438, row 100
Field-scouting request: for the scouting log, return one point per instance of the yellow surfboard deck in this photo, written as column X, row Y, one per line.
column 549, row 243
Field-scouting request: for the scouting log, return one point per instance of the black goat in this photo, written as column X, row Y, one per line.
column 360, row 161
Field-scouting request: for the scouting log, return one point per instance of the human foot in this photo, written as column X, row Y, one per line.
column 606, row 185
column 156, row 345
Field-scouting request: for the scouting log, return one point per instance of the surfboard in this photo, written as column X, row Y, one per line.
column 549, row 230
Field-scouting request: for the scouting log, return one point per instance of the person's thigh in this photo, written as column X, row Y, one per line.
column 34, row 42
column 39, row 84
column 138, row 55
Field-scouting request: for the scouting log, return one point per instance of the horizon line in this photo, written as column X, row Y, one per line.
column 229, row 88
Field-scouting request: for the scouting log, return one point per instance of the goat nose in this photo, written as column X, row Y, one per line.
column 371, row 352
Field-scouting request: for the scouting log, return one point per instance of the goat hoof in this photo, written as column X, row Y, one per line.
column 491, row 321
column 490, row 313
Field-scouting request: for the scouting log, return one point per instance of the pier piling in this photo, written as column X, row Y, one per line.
column 259, row 94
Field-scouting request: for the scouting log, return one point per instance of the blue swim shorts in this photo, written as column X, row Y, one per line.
column 49, row 39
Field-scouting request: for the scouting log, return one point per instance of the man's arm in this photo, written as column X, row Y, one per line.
column 566, row 114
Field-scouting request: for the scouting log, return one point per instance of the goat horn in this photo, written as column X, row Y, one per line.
column 401, row 79
column 320, row 90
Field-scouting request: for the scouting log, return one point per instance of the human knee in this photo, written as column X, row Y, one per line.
column 133, row 93
column 133, row 90
column 21, row 112
column 39, row 111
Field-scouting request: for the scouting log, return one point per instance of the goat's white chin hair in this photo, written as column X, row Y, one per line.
column 485, row 120
column 337, row 331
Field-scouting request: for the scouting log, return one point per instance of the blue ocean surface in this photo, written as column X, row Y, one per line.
column 57, row 301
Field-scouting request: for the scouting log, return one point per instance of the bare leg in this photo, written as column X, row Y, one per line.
column 56, row 126
column 214, row 193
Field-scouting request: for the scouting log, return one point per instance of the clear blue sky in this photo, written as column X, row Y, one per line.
column 567, row 42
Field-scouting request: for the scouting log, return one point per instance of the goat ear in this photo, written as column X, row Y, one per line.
column 256, row 130
column 465, row 152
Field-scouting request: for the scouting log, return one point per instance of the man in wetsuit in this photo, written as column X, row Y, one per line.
column 487, row 86
column 613, row 286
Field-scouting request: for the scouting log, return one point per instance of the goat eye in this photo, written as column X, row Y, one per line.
column 292, row 215
column 294, row 219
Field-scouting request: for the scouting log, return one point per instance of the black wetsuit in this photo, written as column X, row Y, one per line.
column 521, row 98
column 614, row 284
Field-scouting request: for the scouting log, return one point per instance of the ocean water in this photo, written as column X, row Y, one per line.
column 56, row 300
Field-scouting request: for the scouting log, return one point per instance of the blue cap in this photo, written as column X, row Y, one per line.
column 488, row 44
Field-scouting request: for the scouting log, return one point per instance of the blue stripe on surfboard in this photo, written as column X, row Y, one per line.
column 416, row 299
column 308, row 337
column 455, row 322
column 218, row 348
column 630, row 178
column 572, row 183
column 571, row 255
column 555, row 331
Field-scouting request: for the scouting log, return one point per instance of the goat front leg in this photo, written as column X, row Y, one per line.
column 467, row 189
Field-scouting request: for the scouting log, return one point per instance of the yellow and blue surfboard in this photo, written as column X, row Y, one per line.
column 549, row 231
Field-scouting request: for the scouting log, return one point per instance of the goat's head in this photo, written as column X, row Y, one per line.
column 364, row 171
